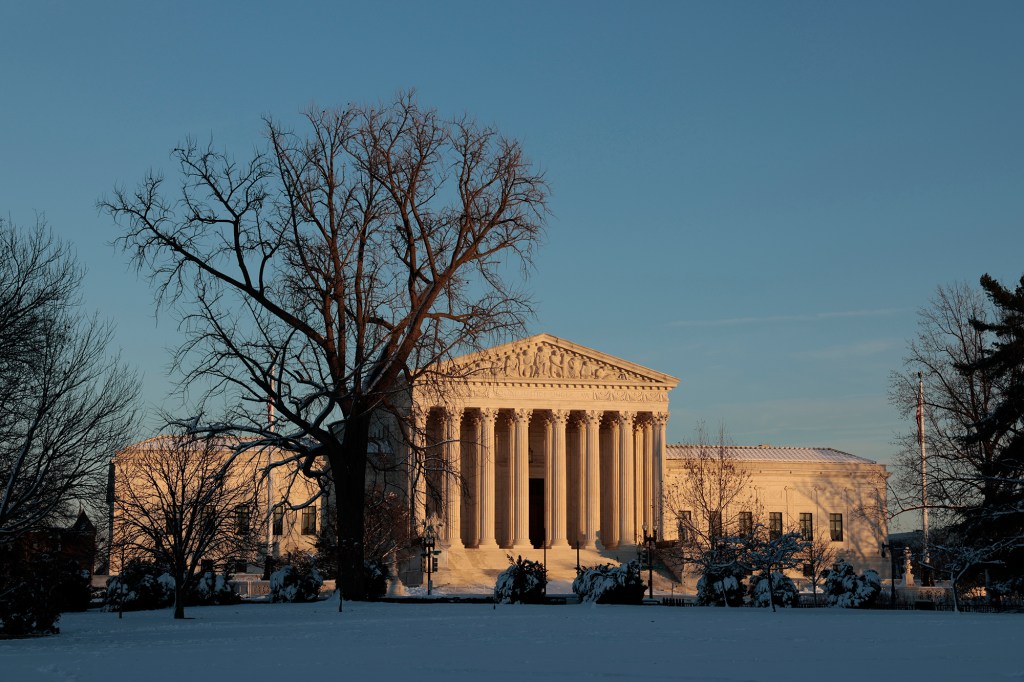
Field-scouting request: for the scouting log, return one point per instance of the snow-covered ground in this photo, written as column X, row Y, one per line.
column 479, row 642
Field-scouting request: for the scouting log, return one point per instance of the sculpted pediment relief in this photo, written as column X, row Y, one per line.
column 547, row 359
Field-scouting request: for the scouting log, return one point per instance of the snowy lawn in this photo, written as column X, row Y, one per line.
column 307, row 642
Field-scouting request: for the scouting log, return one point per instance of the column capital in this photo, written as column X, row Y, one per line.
column 592, row 416
column 488, row 413
column 520, row 415
column 626, row 418
column 660, row 418
column 453, row 412
column 560, row 416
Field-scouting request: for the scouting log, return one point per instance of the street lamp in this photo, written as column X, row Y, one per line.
column 649, row 542
column 883, row 547
column 429, row 542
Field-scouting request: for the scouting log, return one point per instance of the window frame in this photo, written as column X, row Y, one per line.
column 807, row 525
column 835, row 526
column 746, row 523
column 684, row 526
column 308, row 526
column 774, row 525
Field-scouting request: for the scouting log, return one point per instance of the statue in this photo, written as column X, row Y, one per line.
column 908, row 573
column 557, row 365
column 574, row 366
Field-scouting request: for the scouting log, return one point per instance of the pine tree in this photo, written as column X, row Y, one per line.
column 1001, row 514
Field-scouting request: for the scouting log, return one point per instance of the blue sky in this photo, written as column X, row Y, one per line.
column 754, row 197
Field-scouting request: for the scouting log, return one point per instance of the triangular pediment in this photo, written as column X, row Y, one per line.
column 548, row 359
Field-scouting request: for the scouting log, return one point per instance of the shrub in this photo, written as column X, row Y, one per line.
column 141, row 586
column 29, row 598
column 606, row 584
column 523, row 582
column 211, row 588
column 720, row 587
column 783, row 592
column 298, row 581
column 73, row 587
column 845, row 589
column 376, row 574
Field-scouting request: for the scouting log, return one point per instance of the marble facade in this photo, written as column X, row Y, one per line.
column 555, row 443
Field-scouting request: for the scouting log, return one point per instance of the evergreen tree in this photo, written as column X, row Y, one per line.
column 1000, row 515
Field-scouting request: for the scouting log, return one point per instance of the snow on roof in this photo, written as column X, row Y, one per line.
column 771, row 453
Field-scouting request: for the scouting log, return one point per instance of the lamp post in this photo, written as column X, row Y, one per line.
column 649, row 542
column 892, row 570
column 578, row 539
column 429, row 542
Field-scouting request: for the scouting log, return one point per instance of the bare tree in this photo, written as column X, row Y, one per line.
column 331, row 271
column 182, row 499
column 818, row 557
column 65, row 405
column 711, row 500
column 961, row 473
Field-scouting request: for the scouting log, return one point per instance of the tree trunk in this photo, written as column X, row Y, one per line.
column 179, row 599
column 349, row 467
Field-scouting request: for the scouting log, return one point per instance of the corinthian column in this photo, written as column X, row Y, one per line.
column 417, row 472
column 452, row 532
column 649, row 499
column 558, row 484
column 658, row 458
column 627, row 533
column 487, row 467
column 521, row 480
column 591, row 522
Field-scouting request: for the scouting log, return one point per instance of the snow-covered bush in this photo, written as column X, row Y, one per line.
column 299, row 581
column 141, row 585
column 845, row 589
column 607, row 584
column 720, row 587
column 523, row 582
column 211, row 588
column 783, row 591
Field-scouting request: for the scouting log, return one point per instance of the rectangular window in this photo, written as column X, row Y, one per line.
column 685, row 521
column 806, row 525
column 746, row 523
column 242, row 519
column 775, row 525
column 808, row 571
column 835, row 527
column 715, row 524
column 278, row 521
column 309, row 521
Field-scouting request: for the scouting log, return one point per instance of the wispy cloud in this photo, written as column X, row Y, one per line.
column 849, row 351
column 775, row 319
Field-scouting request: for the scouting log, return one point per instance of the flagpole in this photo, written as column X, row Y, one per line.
column 924, row 468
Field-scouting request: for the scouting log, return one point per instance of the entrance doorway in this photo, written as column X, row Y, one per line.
column 537, row 512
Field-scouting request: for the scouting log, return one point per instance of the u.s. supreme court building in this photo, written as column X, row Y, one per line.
column 549, row 448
